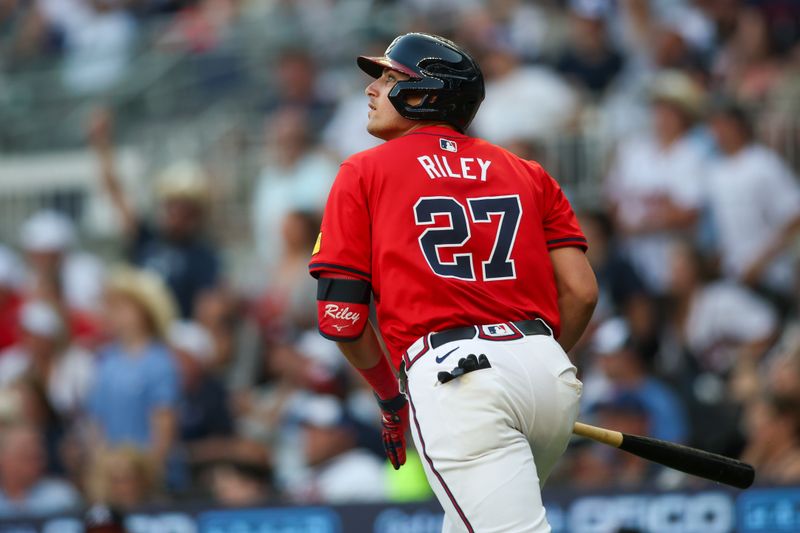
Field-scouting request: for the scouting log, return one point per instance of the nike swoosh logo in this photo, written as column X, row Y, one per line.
column 445, row 356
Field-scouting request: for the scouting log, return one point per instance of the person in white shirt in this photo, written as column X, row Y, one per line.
column 523, row 101
column 296, row 176
column 49, row 240
column 44, row 351
column 655, row 187
column 709, row 318
column 755, row 203
column 337, row 470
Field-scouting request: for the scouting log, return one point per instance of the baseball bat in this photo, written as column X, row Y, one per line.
column 689, row 460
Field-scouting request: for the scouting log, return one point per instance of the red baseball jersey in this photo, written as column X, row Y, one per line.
column 450, row 230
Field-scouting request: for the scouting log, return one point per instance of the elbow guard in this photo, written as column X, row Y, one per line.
column 342, row 308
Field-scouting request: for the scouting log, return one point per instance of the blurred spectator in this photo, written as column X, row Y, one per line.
column 49, row 242
column 296, row 176
column 295, row 86
column 708, row 317
column 12, row 276
column 239, row 483
column 46, row 354
column 784, row 372
column 655, row 186
column 201, row 26
column 622, row 291
column 98, row 40
column 103, row 519
column 175, row 247
column 748, row 64
column 529, row 102
column 83, row 326
column 755, row 203
column 338, row 471
column 288, row 304
column 623, row 373
column 25, row 36
column 203, row 407
column 590, row 61
column 237, row 340
column 773, row 448
column 31, row 405
column 627, row 413
column 24, row 489
column 346, row 132
column 135, row 393
column 124, row 478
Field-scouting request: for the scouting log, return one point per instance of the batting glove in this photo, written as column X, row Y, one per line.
column 394, row 413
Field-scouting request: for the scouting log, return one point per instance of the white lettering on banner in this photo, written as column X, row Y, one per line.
column 439, row 166
column 341, row 313
column 711, row 512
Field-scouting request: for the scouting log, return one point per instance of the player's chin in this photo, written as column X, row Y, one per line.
column 375, row 129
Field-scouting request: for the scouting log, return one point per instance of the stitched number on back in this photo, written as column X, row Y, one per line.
column 455, row 235
column 500, row 265
column 457, row 232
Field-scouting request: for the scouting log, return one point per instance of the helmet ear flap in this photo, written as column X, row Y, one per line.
column 430, row 90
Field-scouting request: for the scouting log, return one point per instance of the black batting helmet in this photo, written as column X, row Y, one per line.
column 448, row 79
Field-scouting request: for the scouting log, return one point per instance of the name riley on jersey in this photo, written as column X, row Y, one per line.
column 468, row 168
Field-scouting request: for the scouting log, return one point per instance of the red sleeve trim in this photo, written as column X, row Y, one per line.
column 317, row 268
column 578, row 242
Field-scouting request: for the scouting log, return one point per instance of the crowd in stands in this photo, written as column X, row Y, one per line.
column 156, row 378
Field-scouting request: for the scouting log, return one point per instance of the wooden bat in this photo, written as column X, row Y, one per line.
column 689, row 460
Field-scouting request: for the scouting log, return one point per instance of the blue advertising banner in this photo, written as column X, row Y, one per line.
column 719, row 510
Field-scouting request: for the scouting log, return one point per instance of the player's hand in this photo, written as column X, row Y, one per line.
column 394, row 418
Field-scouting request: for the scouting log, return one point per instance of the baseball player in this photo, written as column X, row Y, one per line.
column 476, row 265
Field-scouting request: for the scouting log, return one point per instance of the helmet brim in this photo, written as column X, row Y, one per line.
column 373, row 66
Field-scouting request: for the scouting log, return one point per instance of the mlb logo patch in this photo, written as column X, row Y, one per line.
column 448, row 145
column 497, row 332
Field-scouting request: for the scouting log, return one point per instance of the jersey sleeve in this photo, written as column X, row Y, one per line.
column 560, row 224
column 344, row 245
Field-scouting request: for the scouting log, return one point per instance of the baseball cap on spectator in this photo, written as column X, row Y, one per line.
column 149, row 291
column 41, row 319
column 192, row 339
column 590, row 9
column 679, row 90
column 319, row 350
column 612, row 336
column 624, row 402
column 321, row 412
column 47, row 231
column 183, row 180
column 691, row 26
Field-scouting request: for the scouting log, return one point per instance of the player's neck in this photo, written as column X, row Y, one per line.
column 426, row 124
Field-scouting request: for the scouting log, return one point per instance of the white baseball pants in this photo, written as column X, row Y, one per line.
column 490, row 438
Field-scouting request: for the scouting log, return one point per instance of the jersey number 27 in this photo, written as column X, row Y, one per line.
column 499, row 266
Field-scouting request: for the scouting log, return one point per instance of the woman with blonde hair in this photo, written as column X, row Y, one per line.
column 122, row 478
column 133, row 398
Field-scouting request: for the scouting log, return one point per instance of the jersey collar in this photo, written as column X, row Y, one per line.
column 441, row 131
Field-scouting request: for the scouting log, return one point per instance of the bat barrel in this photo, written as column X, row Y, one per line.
column 690, row 460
